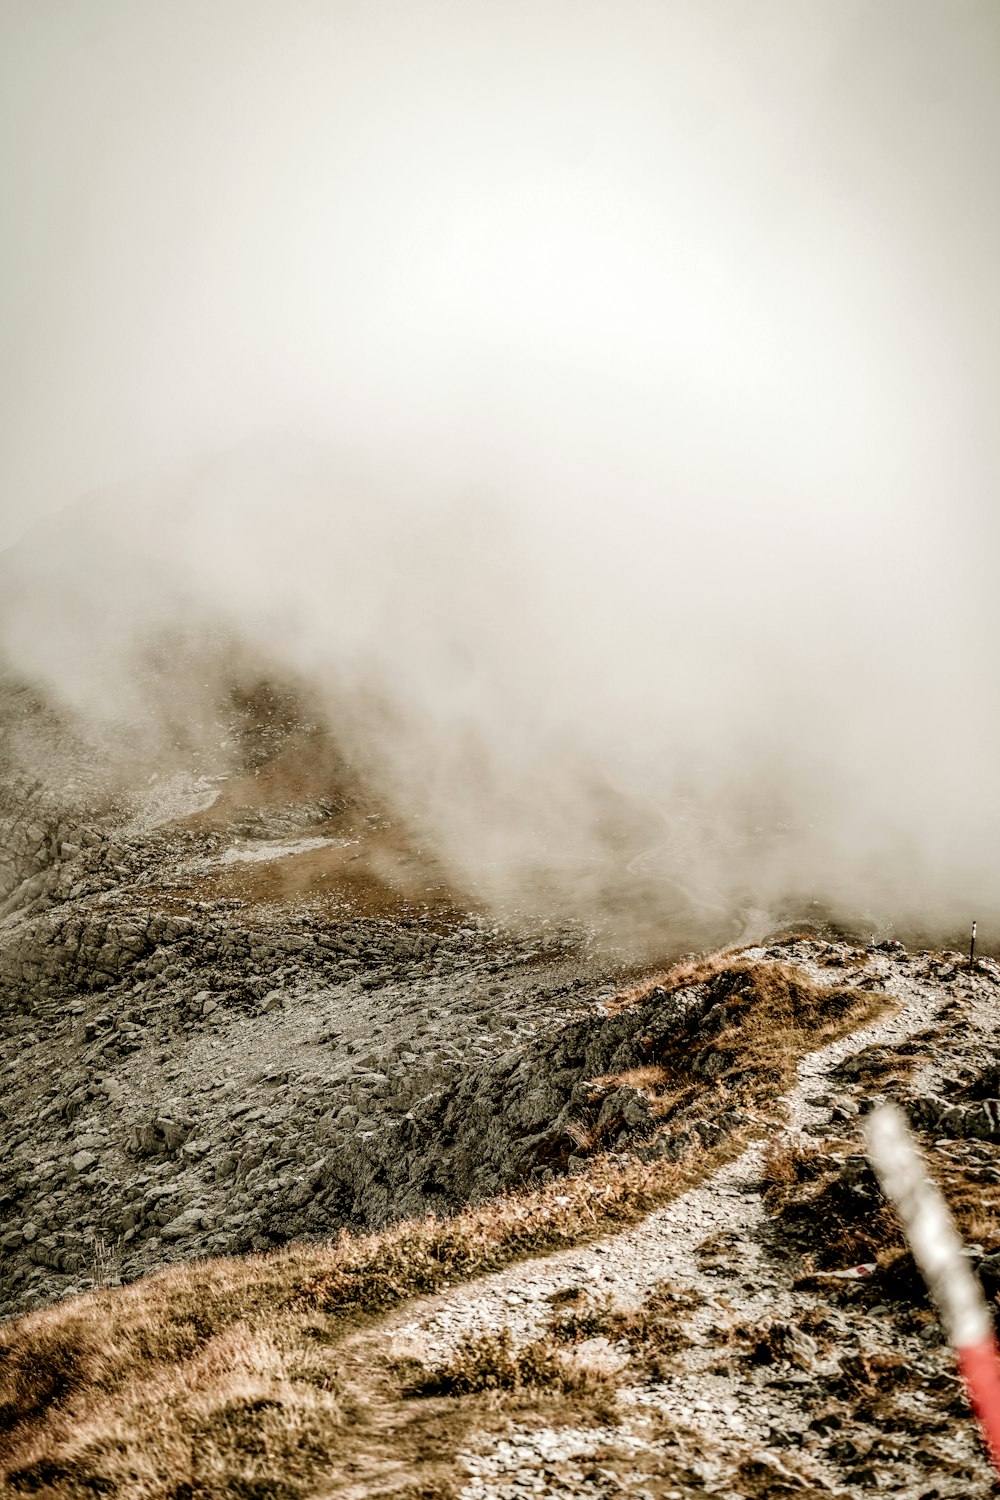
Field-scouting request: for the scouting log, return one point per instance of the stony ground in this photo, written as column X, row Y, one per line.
column 777, row 1381
column 241, row 1008
column 234, row 1004
column 177, row 1077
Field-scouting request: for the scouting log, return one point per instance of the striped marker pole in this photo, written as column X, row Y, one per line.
column 937, row 1250
column 972, row 948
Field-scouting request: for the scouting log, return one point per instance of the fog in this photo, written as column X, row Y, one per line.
column 593, row 406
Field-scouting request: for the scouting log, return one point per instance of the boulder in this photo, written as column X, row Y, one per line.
column 183, row 1226
column 625, row 1109
column 162, row 1135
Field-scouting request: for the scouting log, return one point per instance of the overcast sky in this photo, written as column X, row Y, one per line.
column 457, row 221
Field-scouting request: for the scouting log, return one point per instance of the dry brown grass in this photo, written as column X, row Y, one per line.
column 679, row 976
column 767, row 1016
column 653, row 1330
column 103, row 1393
column 491, row 1361
column 227, row 1377
column 789, row 1163
column 650, row 1080
column 774, row 1012
column 838, row 1226
column 659, row 1084
column 761, row 1018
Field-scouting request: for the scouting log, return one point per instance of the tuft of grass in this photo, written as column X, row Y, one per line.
column 490, row 1361
column 649, row 1080
column 789, row 1164
column 653, row 1330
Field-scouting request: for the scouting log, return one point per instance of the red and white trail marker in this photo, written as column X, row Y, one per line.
column 937, row 1250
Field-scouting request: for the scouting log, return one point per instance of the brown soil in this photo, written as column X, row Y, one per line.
column 377, row 874
column 379, row 867
column 308, row 768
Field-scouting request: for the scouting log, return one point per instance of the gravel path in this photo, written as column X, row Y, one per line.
column 716, row 1413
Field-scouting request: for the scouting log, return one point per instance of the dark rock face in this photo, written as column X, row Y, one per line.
column 186, row 1077
column 541, row 1109
column 159, row 1136
column 217, row 1095
column 978, row 1121
column 188, row 1073
column 521, row 1117
column 188, row 1082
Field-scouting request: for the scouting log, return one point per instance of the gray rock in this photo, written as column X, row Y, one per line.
column 226, row 1165
column 161, row 1135
column 989, row 1274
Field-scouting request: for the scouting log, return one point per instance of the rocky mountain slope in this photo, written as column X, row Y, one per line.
column 217, row 995
column 708, row 1296
column 243, row 1000
column 766, row 1333
column 244, row 1006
